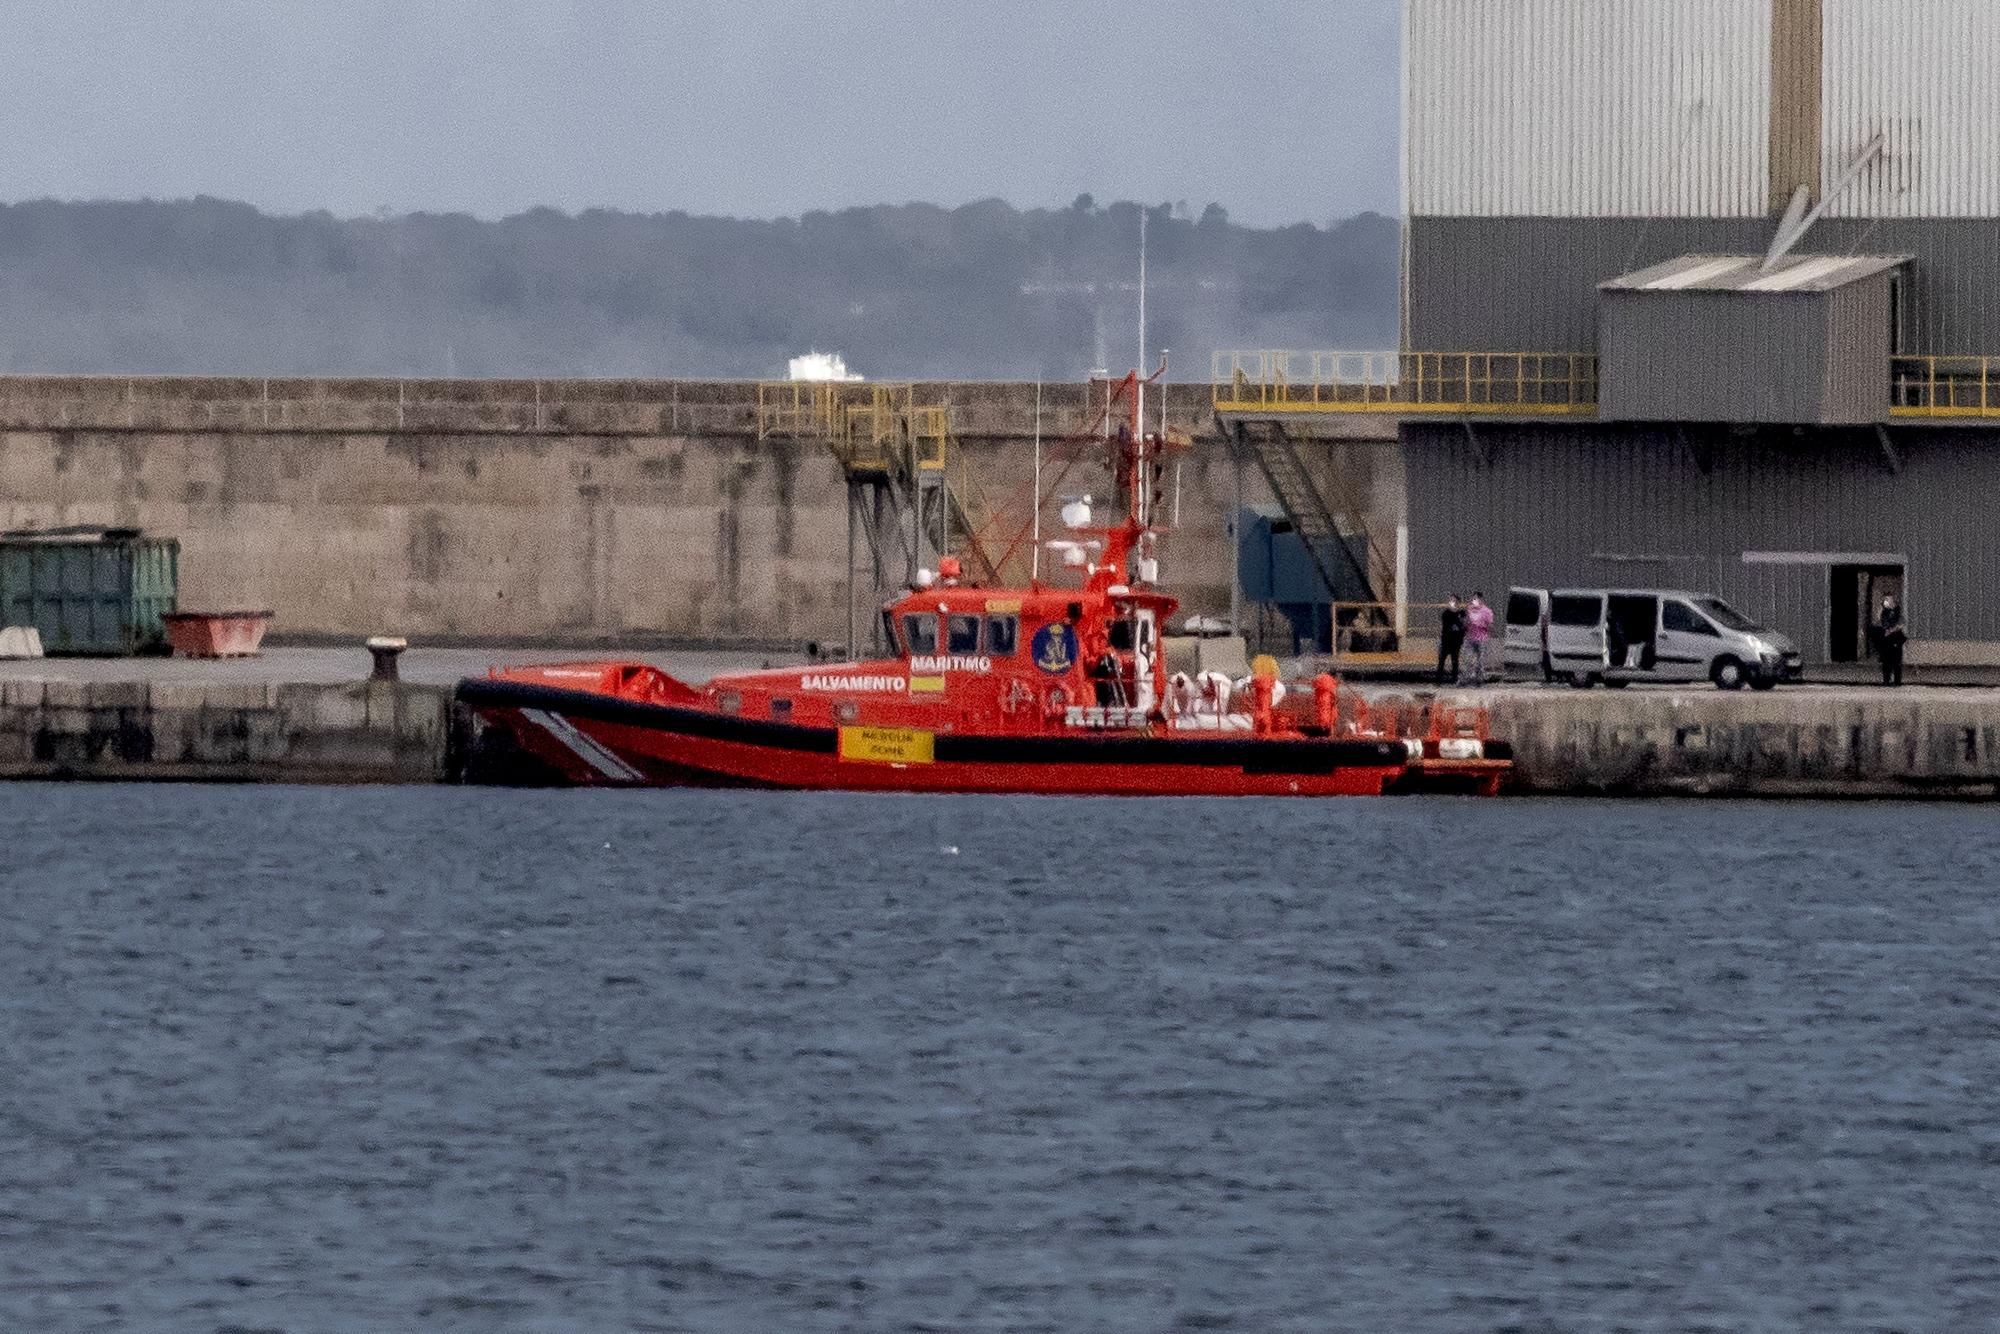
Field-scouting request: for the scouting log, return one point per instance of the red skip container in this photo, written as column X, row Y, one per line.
column 216, row 634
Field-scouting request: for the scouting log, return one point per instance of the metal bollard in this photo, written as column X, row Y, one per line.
column 386, row 649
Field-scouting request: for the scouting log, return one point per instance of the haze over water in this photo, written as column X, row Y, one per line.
column 442, row 1059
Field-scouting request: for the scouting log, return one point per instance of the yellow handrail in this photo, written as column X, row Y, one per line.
column 1516, row 384
column 1407, row 383
column 1944, row 387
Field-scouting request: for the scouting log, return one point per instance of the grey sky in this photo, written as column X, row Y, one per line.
column 1282, row 110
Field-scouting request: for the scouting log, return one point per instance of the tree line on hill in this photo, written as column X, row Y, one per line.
column 986, row 291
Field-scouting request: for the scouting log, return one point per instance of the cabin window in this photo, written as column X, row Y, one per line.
column 729, row 702
column 846, row 711
column 1121, row 636
column 961, row 633
column 781, row 709
column 1003, row 635
column 920, row 633
column 888, row 630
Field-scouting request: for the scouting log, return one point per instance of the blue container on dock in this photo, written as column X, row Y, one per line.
column 89, row 590
column 1274, row 567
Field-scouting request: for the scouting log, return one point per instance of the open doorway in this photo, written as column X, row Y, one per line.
column 1855, row 597
column 1631, row 630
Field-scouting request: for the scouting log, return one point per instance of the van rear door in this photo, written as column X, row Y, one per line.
column 1576, row 632
column 1526, row 650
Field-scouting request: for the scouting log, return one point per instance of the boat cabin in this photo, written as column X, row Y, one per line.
column 1089, row 648
column 966, row 658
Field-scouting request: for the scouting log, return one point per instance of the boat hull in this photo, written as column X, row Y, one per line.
column 600, row 740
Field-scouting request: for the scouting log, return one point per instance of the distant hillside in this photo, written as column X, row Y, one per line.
column 985, row 291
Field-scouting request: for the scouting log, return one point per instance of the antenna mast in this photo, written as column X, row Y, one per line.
column 1035, row 556
column 1138, row 377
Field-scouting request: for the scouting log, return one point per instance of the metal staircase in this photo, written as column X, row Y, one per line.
column 1347, row 579
column 902, row 511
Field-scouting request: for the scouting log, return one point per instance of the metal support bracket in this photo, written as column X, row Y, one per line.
column 1482, row 448
column 1892, row 458
column 1702, row 454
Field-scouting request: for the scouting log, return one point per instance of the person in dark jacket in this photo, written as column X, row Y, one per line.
column 1890, row 636
column 1105, row 672
column 1451, row 640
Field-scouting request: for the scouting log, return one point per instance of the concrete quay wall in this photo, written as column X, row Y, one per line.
column 226, row 731
column 555, row 511
column 1809, row 742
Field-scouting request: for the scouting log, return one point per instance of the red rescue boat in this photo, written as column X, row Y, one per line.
column 1040, row 689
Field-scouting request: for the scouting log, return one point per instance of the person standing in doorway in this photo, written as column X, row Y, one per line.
column 1451, row 638
column 1478, row 629
column 1890, row 636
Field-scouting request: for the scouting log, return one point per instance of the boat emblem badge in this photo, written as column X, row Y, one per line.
column 1054, row 648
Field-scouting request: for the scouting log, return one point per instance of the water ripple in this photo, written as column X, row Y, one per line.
column 300, row 1060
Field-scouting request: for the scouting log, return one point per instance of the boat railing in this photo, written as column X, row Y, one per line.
column 1355, row 716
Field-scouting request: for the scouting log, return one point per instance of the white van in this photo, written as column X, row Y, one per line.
column 1615, row 636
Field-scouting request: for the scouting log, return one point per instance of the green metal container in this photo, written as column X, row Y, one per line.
column 90, row 590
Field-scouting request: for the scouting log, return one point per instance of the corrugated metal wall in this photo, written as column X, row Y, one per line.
column 1951, row 293
column 1530, row 284
column 1553, row 144
column 1587, row 108
column 1720, row 357
column 1856, row 386
column 1699, row 108
column 1925, row 73
column 1604, row 505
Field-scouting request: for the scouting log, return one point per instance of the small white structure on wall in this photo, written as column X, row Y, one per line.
column 819, row 366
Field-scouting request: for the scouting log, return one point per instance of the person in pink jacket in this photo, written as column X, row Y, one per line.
column 1478, row 629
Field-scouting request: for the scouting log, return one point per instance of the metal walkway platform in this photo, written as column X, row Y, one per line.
column 1498, row 386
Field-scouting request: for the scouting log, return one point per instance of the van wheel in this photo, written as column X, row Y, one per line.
column 1763, row 682
column 1583, row 680
column 1727, row 674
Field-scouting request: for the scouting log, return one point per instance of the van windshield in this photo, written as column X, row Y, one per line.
column 1725, row 615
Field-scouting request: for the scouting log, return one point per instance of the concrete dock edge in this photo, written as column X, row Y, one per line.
column 226, row 731
column 1827, row 742
column 1801, row 743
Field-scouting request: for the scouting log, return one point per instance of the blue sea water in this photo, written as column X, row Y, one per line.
column 437, row 1059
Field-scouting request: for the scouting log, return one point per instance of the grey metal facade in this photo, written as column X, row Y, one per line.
column 1734, row 356
column 1743, row 444
column 1860, row 333
column 1531, row 284
column 1647, row 506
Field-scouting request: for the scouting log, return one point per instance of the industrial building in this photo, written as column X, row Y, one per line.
column 1697, row 293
